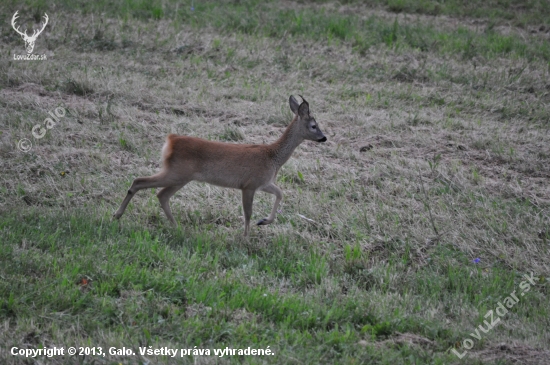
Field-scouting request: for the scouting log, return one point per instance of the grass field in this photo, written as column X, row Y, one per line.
column 426, row 207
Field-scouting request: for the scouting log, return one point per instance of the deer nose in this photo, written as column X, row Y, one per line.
column 324, row 139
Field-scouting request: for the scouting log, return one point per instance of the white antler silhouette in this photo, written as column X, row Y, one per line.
column 29, row 41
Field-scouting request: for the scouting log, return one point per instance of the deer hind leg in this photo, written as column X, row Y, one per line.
column 164, row 198
column 248, row 199
column 161, row 180
column 271, row 189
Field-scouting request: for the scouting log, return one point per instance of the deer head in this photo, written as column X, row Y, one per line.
column 29, row 41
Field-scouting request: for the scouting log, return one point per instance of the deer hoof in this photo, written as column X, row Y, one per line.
column 262, row 222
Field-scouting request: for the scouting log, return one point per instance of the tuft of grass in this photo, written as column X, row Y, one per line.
column 80, row 88
column 232, row 134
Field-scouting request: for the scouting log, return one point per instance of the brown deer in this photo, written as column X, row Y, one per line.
column 239, row 166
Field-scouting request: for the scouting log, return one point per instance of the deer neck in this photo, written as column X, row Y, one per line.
column 286, row 144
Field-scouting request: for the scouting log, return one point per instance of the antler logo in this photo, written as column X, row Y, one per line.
column 29, row 41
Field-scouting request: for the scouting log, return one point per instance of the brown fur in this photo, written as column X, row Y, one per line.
column 245, row 167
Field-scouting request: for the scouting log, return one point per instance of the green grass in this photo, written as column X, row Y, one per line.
column 437, row 155
column 261, row 18
column 140, row 292
column 520, row 13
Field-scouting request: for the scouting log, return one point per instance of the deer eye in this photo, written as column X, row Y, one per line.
column 314, row 126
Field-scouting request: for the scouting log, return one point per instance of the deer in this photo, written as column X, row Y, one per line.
column 248, row 167
column 29, row 41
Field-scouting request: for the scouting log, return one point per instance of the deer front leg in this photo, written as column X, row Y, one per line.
column 271, row 189
column 248, row 199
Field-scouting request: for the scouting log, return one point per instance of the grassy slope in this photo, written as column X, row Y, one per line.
column 452, row 119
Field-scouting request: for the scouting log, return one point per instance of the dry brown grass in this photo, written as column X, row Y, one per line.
column 165, row 92
column 473, row 132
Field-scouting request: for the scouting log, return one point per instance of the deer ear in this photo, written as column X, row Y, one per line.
column 294, row 105
column 303, row 110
